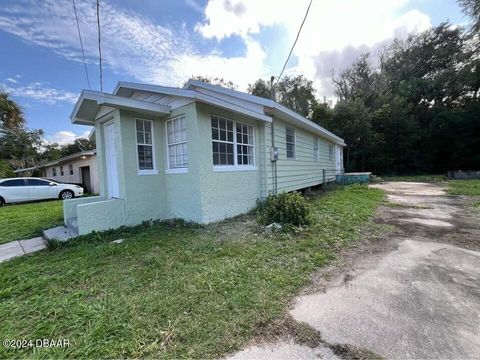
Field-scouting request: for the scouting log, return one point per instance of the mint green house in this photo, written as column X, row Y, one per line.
column 202, row 153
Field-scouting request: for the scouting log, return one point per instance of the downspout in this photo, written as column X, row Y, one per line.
column 273, row 160
column 273, row 150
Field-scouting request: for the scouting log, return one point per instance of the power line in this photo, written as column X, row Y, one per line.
column 81, row 44
column 296, row 39
column 99, row 46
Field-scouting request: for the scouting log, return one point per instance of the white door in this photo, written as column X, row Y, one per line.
column 339, row 158
column 111, row 160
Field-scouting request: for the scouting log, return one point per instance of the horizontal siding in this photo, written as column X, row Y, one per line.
column 304, row 170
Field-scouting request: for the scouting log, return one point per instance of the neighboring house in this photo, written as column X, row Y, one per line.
column 202, row 153
column 79, row 168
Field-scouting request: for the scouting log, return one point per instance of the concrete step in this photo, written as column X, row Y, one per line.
column 60, row 233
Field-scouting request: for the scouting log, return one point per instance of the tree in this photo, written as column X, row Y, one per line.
column 260, row 88
column 5, row 170
column 11, row 115
column 296, row 93
column 21, row 147
column 79, row 145
column 472, row 9
column 216, row 81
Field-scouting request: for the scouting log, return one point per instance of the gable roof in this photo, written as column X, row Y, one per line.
column 248, row 105
column 272, row 107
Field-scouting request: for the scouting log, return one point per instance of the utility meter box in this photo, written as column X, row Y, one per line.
column 274, row 153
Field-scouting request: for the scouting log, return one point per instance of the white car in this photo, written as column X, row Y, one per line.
column 30, row 189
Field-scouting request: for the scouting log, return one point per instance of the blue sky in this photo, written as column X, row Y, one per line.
column 165, row 42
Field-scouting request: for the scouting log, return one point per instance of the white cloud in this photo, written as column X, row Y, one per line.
column 135, row 45
column 39, row 92
column 334, row 29
column 65, row 137
column 12, row 80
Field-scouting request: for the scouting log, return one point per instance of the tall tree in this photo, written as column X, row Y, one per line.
column 296, row 93
column 216, row 81
column 11, row 115
column 472, row 9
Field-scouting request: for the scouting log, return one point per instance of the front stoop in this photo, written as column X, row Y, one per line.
column 60, row 233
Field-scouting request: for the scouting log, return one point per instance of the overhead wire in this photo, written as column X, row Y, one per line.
column 81, row 43
column 295, row 42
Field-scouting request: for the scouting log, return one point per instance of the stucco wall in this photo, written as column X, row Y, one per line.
column 101, row 215
column 144, row 195
column 225, row 193
column 183, row 189
column 76, row 178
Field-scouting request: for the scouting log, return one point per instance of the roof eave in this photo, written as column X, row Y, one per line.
column 114, row 101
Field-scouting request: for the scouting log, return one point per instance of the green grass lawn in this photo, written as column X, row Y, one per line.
column 171, row 291
column 464, row 187
column 23, row 221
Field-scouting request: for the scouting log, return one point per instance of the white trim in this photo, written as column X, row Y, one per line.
column 225, row 168
column 167, row 145
column 294, row 143
column 270, row 106
column 153, row 171
column 235, row 143
column 176, row 171
column 115, row 101
column 147, row 172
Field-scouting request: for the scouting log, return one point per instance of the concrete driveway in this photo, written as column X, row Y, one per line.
column 412, row 295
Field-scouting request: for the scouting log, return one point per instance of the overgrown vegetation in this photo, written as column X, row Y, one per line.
column 464, row 187
column 413, row 108
column 287, row 209
column 23, row 221
column 172, row 290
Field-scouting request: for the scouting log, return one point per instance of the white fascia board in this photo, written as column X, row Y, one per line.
column 309, row 124
column 195, row 95
column 234, row 93
column 117, row 102
column 232, row 107
column 154, row 88
column 267, row 103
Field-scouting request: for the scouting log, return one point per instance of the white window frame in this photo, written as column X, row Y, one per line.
column 153, row 171
column 62, row 172
column 331, row 155
column 235, row 166
column 316, row 148
column 294, row 143
column 179, row 170
column 54, row 171
column 70, row 169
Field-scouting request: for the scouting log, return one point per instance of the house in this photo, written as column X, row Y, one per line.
column 79, row 168
column 202, row 153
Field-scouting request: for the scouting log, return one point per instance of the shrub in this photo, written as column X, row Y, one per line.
column 285, row 208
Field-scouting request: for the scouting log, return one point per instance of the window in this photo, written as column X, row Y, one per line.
column 330, row 152
column 38, row 182
column 222, row 141
column 61, row 171
column 177, row 143
column 290, row 142
column 54, row 171
column 316, row 155
column 70, row 169
column 15, row 182
column 232, row 143
column 145, row 146
column 244, row 144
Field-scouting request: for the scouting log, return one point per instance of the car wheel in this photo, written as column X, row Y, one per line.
column 67, row 194
column 2, row 201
